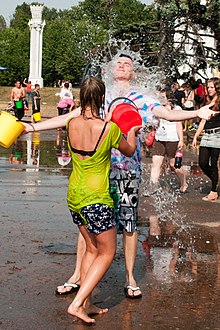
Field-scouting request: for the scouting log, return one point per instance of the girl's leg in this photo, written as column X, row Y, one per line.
column 180, row 174
column 214, row 166
column 100, row 251
column 157, row 162
column 204, row 155
column 75, row 278
column 211, row 170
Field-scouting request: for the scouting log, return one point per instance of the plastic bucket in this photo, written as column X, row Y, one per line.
column 37, row 117
column 19, row 104
column 10, row 129
column 126, row 116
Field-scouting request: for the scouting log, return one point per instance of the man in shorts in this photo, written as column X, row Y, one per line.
column 17, row 98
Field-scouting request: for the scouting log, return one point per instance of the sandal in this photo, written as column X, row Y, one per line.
column 74, row 288
column 211, row 197
column 132, row 296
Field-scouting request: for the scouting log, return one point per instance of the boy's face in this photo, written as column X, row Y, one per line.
column 123, row 69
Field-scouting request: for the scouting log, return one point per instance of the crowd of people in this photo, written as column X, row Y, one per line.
column 22, row 98
column 105, row 162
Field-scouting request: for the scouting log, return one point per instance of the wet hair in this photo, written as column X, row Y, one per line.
column 216, row 83
column 126, row 55
column 91, row 95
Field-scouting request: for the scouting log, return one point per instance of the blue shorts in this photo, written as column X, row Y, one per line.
column 96, row 217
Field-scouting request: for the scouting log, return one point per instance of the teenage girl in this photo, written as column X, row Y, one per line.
column 210, row 143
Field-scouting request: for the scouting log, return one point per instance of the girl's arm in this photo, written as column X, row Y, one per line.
column 176, row 115
column 52, row 123
column 198, row 132
column 127, row 147
column 179, row 128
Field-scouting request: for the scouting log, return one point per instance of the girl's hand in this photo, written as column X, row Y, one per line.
column 28, row 128
column 181, row 144
column 194, row 142
column 136, row 129
column 108, row 115
column 206, row 113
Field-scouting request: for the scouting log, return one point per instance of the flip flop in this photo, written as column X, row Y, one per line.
column 74, row 288
column 132, row 296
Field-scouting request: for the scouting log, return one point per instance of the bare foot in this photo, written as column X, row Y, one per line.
column 80, row 313
column 183, row 188
column 94, row 310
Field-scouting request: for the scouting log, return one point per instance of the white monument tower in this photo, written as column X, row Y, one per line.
column 36, row 27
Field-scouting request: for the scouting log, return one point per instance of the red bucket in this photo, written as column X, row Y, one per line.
column 126, row 116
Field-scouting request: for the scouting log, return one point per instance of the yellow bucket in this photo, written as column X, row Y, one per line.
column 10, row 129
column 37, row 117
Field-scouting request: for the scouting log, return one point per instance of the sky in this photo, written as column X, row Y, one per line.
column 7, row 8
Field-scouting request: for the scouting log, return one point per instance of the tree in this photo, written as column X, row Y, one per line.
column 191, row 21
column 21, row 17
column 2, row 22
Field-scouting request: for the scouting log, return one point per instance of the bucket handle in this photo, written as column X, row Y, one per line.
column 121, row 98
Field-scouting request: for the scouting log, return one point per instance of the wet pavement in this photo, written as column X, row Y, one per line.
column 178, row 259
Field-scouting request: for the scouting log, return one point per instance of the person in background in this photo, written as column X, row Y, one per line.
column 17, row 99
column 66, row 103
column 168, row 138
column 178, row 94
column 210, row 143
column 188, row 104
column 28, row 91
column 200, row 94
column 36, row 100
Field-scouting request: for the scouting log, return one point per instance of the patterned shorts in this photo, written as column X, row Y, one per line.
column 96, row 217
column 124, row 187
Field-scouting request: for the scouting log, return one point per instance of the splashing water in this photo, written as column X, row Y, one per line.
column 146, row 82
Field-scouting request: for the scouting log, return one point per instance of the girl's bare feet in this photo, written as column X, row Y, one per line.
column 94, row 310
column 80, row 313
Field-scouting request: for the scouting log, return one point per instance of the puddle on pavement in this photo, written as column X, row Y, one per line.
column 181, row 255
column 59, row 248
column 36, row 152
column 173, row 252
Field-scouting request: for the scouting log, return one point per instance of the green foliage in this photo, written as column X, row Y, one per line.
column 71, row 36
column 66, row 47
column 2, row 23
column 21, row 16
column 14, row 55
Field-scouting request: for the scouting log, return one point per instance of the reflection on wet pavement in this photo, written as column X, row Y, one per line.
column 37, row 151
column 178, row 258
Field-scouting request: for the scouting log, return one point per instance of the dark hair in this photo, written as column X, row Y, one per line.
column 37, row 85
column 66, row 85
column 125, row 55
column 91, row 95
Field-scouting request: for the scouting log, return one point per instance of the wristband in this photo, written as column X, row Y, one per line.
column 32, row 127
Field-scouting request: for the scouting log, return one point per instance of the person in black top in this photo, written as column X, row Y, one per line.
column 210, row 143
column 36, row 99
column 179, row 94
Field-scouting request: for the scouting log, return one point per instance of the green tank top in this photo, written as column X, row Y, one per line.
column 89, row 180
